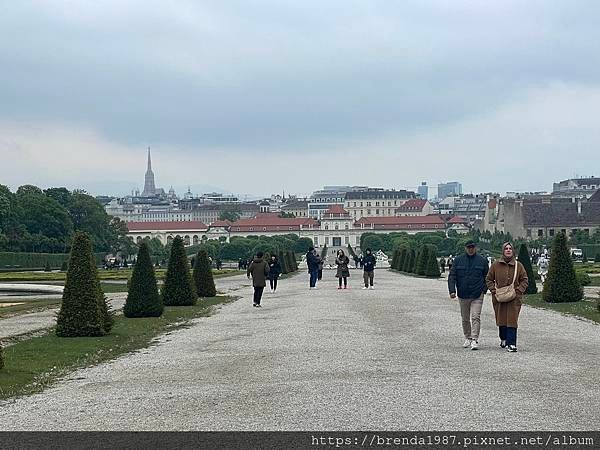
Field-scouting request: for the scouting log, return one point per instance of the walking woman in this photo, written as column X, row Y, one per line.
column 274, row 272
column 343, row 273
column 507, row 281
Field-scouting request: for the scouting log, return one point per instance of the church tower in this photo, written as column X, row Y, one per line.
column 149, row 188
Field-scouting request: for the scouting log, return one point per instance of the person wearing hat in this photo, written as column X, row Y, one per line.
column 467, row 281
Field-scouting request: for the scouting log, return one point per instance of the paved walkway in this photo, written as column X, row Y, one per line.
column 327, row 359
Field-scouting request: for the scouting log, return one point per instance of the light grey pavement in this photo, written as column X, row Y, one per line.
column 390, row 358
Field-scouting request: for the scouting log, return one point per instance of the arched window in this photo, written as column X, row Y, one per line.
column 195, row 240
column 186, row 240
column 139, row 240
column 169, row 239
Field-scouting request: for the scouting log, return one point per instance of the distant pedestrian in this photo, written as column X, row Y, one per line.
column 274, row 272
column 543, row 265
column 467, row 279
column 312, row 261
column 368, row 263
column 259, row 269
column 450, row 262
column 505, row 273
column 442, row 265
column 343, row 273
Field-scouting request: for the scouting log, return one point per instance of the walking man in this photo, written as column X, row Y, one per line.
column 467, row 280
column 312, row 261
column 259, row 269
column 368, row 263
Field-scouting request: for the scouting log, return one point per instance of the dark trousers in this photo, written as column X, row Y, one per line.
column 368, row 278
column 320, row 275
column 273, row 283
column 258, row 291
column 314, row 274
column 345, row 281
column 508, row 334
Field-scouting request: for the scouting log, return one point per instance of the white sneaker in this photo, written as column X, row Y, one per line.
column 371, row 287
column 467, row 343
column 474, row 344
column 365, row 288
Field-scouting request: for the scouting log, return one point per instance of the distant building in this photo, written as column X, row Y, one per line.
column 423, row 191
column 190, row 231
column 321, row 201
column 415, row 207
column 375, row 202
column 453, row 188
column 576, row 187
column 298, row 208
column 543, row 216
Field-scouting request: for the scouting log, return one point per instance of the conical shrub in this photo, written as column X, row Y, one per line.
column 290, row 261
column 410, row 261
column 402, row 258
column 203, row 276
column 561, row 284
column 82, row 308
column 178, row 289
column 526, row 261
column 394, row 260
column 284, row 267
column 143, row 299
column 423, row 260
column 433, row 266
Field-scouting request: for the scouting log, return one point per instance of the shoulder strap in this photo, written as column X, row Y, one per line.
column 516, row 270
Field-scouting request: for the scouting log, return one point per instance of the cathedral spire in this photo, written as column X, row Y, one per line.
column 149, row 161
column 149, row 187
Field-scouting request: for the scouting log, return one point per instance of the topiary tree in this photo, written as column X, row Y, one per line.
column 324, row 252
column 526, row 261
column 423, row 260
column 561, row 283
column 143, row 299
column 410, row 261
column 178, row 289
column 290, row 261
column 203, row 276
column 83, row 311
column 394, row 260
column 47, row 267
column 433, row 267
column 404, row 254
column 64, row 266
column 283, row 262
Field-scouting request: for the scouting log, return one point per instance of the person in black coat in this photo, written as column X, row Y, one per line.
column 274, row 272
column 312, row 261
column 368, row 262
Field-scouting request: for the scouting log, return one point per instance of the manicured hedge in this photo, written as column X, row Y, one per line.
column 10, row 260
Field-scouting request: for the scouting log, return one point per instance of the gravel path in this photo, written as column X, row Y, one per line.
column 327, row 359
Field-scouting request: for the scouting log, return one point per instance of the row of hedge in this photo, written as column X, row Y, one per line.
column 10, row 260
column 422, row 261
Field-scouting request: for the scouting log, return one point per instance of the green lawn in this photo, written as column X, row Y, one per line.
column 33, row 364
column 585, row 308
column 31, row 304
column 123, row 274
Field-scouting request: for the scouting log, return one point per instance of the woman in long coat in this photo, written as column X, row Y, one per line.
column 343, row 273
column 501, row 274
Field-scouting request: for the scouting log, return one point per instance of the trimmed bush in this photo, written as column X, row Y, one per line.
column 526, row 261
column 433, row 267
column 410, row 261
column 143, row 299
column 561, row 284
column 178, row 289
column 290, row 261
column 64, row 266
column 282, row 261
column 203, row 276
column 82, row 308
column 583, row 279
column 422, row 261
column 47, row 267
column 402, row 258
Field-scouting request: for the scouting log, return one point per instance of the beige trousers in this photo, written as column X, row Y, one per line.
column 470, row 310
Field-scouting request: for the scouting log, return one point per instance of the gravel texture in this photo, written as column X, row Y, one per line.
column 390, row 358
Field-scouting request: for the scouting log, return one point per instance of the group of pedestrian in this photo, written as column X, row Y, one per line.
column 260, row 270
column 471, row 277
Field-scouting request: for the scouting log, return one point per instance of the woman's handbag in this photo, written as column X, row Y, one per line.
column 507, row 293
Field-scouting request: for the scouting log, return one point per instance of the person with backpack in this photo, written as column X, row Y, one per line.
column 368, row 263
column 343, row 273
column 274, row 272
column 259, row 270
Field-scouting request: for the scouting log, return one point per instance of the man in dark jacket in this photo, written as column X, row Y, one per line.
column 259, row 269
column 312, row 261
column 467, row 280
column 368, row 263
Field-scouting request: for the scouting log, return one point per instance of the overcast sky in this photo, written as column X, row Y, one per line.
column 256, row 96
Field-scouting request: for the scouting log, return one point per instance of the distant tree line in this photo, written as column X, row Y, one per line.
column 36, row 220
